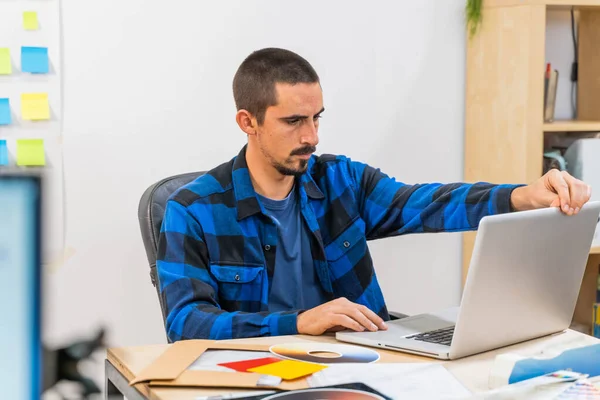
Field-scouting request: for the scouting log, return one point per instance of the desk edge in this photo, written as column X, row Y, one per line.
column 143, row 388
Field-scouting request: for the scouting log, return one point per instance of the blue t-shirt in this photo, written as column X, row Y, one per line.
column 295, row 283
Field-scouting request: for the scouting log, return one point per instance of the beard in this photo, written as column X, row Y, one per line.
column 289, row 171
column 286, row 168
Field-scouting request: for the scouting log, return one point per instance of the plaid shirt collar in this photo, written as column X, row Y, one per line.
column 247, row 202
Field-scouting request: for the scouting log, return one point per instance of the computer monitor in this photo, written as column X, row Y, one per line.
column 20, row 286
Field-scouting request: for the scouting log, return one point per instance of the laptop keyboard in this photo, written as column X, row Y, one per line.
column 440, row 336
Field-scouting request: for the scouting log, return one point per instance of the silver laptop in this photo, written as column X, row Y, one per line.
column 523, row 283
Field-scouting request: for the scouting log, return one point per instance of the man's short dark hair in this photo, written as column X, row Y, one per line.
column 255, row 79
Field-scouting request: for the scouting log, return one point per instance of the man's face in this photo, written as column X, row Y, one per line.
column 289, row 133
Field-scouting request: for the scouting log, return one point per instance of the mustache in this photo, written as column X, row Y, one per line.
column 303, row 151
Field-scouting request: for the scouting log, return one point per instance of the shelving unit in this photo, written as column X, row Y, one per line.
column 571, row 126
column 551, row 4
column 504, row 130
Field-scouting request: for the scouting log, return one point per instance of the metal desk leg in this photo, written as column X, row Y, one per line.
column 117, row 386
column 112, row 393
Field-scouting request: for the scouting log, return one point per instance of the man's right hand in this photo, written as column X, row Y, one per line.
column 338, row 314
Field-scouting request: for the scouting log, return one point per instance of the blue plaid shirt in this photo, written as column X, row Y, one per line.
column 217, row 245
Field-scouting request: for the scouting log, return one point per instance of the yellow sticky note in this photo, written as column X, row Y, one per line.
column 30, row 152
column 288, row 369
column 34, row 106
column 30, row 20
column 5, row 65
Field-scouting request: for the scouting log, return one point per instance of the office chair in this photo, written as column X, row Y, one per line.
column 150, row 215
column 151, row 210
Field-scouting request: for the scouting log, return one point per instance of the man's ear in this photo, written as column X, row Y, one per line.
column 246, row 122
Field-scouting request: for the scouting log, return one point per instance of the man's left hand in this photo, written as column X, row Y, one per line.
column 554, row 189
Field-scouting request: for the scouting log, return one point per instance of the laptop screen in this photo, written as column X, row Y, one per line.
column 20, row 346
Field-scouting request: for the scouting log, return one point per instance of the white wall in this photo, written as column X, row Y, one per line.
column 147, row 94
column 13, row 36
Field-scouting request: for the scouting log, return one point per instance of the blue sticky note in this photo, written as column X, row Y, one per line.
column 3, row 153
column 5, row 118
column 34, row 60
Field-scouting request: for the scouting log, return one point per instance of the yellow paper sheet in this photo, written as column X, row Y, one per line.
column 30, row 152
column 289, row 369
column 5, row 65
column 34, row 106
column 30, row 21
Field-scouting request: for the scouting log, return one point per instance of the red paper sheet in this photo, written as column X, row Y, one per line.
column 243, row 366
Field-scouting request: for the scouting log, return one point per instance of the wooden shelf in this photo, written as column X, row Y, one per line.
column 504, row 102
column 572, row 126
column 549, row 3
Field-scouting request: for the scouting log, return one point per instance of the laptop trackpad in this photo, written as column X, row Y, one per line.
column 420, row 323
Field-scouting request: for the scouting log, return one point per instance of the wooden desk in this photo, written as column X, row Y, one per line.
column 123, row 364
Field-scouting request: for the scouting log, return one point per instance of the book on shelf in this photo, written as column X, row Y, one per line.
column 596, row 314
column 596, row 321
column 550, row 86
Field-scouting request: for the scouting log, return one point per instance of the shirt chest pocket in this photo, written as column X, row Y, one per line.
column 347, row 249
column 239, row 282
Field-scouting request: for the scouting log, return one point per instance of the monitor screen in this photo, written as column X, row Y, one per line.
column 20, row 343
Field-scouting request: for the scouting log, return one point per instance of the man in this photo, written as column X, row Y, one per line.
column 273, row 242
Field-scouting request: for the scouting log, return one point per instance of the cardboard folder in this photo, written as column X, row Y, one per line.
column 171, row 368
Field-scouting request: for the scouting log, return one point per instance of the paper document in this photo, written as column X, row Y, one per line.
column 288, row 369
column 236, row 395
column 210, row 359
column 557, row 385
column 511, row 368
column 245, row 365
column 396, row 380
column 582, row 389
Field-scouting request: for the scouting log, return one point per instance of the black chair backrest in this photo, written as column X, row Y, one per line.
column 150, row 215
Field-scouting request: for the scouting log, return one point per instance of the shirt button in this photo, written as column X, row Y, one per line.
column 236, row 277
column 346, row 244
column 267, row 247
